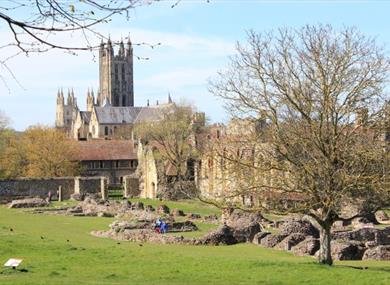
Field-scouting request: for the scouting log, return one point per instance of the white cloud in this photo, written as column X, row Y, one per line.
column 186, row 43
column 178, row 78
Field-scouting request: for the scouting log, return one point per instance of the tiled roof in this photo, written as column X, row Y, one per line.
column 129, row 115
column 151, row 114
column 85, row 116
column 117, row 115
column 106, row 150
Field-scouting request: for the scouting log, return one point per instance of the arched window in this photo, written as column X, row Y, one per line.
column 106, row 131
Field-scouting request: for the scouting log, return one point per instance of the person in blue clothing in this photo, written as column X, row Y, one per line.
column 163, row 227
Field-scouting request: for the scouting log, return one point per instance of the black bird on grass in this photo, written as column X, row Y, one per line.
column 11, row 229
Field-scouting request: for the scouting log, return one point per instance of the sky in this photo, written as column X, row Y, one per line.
column 197, row 38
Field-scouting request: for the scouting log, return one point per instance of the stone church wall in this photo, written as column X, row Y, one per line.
column 40, row 187
column 91, row 185
column 131, row 186
column 148, row 176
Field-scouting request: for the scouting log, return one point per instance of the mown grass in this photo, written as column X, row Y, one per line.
column 60, row 250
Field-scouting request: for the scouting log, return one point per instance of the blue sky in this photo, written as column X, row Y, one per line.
column 197, row 39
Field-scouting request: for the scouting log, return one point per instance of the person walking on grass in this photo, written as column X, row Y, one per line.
column 157, row 225
column 49, row 197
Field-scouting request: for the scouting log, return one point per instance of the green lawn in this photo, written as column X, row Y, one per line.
column 85, row 259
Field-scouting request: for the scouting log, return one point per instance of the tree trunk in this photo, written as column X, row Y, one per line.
column 325, row 256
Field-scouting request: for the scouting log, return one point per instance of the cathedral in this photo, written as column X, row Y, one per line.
column 112, row 113
column 104, row 131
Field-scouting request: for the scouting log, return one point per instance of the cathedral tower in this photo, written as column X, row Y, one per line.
column 60, row 120
column 66, row 113
column 90, row 101
column 116, row 75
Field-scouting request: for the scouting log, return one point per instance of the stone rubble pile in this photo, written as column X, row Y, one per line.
column 28, row 203
column 302, row 238
column 99, row 207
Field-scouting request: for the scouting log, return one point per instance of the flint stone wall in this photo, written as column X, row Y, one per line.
column 92, row 185
column 39, row 187
column 131, row 186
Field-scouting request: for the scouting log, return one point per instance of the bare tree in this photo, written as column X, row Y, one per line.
column 34, row 23
column 37, row 26
column 321, row 92
column 172, row 138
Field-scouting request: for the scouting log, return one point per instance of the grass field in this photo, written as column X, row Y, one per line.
column 59, row 250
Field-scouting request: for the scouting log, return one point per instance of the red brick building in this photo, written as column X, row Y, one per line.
column 113, row 159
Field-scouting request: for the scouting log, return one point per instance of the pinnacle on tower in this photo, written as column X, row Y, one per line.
column 60, row 98
column 121, row 48
column 109, row 46
column 129, row 47
column 69, row 100
column 90, row 100
column 169, row 98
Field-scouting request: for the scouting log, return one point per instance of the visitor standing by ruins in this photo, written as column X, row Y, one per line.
column 49, row 196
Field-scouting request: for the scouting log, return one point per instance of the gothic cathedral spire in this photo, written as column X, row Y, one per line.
column 116, row 75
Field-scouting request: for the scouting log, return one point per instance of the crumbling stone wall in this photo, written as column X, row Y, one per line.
column 35, row 187
column 92, row 185
column 40, row 187
column 147, row 172
column 155, row 183
column 131, row 186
